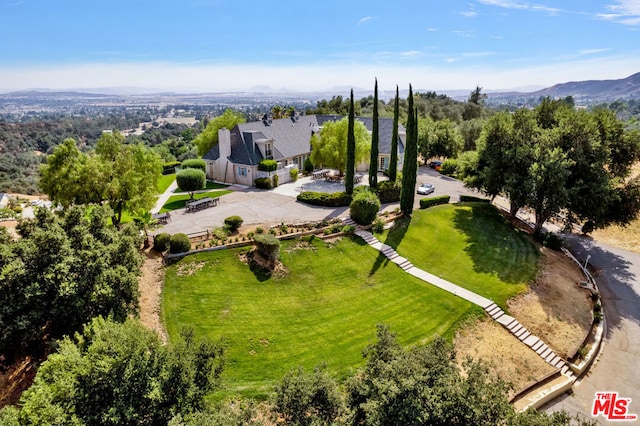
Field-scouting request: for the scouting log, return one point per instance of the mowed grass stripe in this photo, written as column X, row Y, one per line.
column 471, row 245
column 324, row 309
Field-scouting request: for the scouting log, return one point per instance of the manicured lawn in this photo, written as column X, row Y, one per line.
column 209, row 186
column 178, row 201
column 469, row 244
column 165, row 181
column 324, row 309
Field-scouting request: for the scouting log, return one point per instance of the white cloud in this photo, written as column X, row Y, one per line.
column 410, row 53
column 521, row 5
column 365, row 19
column 469, row 14
column 626, row 12
column 592, row 51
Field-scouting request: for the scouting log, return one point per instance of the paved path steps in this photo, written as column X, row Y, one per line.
column 494, row 311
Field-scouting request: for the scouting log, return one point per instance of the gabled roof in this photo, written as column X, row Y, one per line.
column 291, row 137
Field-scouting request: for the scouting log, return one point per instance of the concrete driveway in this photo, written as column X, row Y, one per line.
column 279, row 205
column 618, row 367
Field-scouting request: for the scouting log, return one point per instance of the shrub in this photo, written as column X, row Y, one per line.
column 336, row 199
column 308, row 166
column 268, row 246
column 275, row 179
column 434, row 201
column 588, row 227
column 268, row 165
column 472, row 199
column 293, row 174
column 388, row 191
column 179, row 243
column 191, row 180
column 170, row 168
column 348, row 229
column 259, row 230
column 553, row 241
column 378, row 225
column 449, row 167
column 220, row 233
column 263, row 183
column 233, row 222
column 195, row 163
column 161, row 242
column 364, row 208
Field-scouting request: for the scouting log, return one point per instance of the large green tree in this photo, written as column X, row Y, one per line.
column 61, row 272
column 393, row 163
column 439, row 139
column 410, row 166
column 121, row 374
column 123, row 176
column 209, row 136
column 375, row 136
column 329, row 147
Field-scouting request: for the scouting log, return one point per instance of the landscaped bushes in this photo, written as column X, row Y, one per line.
column 268, row 246
column 434, row 201
column 195, row 163
column 449, row 167
column 170, row 168
column 388, row 191
column 325, row 199
column 179, row 243
column 191, row 180
column 161, row 242
column 364, row 207
column 268, row 165
column 293, row 174
column 275, row 181
column 263, row 183
column 472, row 199
column 308, row 166
column 233, row 222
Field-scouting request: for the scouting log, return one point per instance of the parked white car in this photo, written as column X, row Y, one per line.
column 426, row 189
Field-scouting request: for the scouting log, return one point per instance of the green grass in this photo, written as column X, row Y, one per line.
column 178, row 201
column 209, row 186
column 469, row 244
column 324, row 310
column 164, row 182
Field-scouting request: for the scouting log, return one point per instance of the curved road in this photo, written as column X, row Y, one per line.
column 618, row 366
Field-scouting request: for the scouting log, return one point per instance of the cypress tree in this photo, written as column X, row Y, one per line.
column 393, row 165
column 410, row 166
column 351, row 150
column 375, row 132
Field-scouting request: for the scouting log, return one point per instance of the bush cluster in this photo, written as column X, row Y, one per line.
column 179, row 243
column 267, row 165
column 472, row 199
column 268, row 246
column 389, row 192
column 308, row 166
column 293, row 174
column 233, row 222
column 275, row 179
column 161, row 242
column 449, row 167
column 434, row 201
column 336, row 199
column 263, row 183
column 170, row 168
column 364, row 207
column 195, row 163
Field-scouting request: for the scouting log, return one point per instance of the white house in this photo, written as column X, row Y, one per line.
column 236, row 157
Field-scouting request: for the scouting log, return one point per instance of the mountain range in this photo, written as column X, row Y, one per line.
column 583, row 92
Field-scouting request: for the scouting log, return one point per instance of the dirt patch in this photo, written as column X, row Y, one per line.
column 505, row 355
column 16, row 379
column 188, row 269
column 627, row 237
column 555, row 309
column 150, row 287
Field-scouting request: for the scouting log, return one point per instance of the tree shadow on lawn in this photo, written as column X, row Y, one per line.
column 394, row 237
column 494, row 245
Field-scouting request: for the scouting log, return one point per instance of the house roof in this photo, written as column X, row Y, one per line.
column 290, row 137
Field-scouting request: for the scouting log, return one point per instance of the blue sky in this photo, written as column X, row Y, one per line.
column 223, row 45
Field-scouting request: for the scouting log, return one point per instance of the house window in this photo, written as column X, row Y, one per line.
column 384, row 163
column 242, row 171
column 267, row 150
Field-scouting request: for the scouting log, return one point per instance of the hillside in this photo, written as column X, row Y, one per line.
column 583, row 92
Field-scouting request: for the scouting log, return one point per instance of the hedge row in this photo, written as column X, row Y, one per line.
column 325, row 199
column 176, row 243
column 434, row 201
column 471, row 198
column 263, row 183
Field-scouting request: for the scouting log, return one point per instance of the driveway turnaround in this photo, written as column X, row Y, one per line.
column 618, row 366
